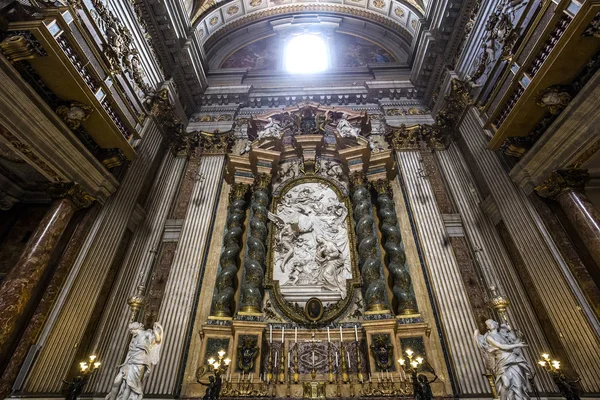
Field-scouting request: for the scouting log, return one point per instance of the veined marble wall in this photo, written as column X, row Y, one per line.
column 559, row 295
column 67, row 323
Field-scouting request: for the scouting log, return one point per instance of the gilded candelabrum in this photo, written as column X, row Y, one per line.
column 359, row 373
column 343, row 363
column 499, row 303
column 221, row 365
column 86, row 370
column 270, row 365
column 568, row 389
column 296, row 374
column 330, row 362
column 282, row 364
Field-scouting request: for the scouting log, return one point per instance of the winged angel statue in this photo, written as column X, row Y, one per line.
column 502, row 350
column 143, row 354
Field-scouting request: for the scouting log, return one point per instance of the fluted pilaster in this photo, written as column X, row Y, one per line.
column 455, row 312
column 404, row 296
column 562, row 300
column 491, row 257
column 111, row 338
column 67, row 323
column 185, row 278
column 374, row 287
column 229, row 261
column 255, row 262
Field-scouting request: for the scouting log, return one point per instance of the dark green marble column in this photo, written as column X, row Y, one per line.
column 374, row 288
column 229, row 262
column 404, row 296
column 255, row 261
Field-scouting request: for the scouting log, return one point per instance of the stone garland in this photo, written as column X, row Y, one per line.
column 255, row 262
column 404, row 296
column 232, row 244
column 374, row 286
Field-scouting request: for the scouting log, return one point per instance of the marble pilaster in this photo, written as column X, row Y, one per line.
column 567, row 188
column 186, row 274
column 74, row 307
column 111, row 338
column 455, row 313
column 21, row 283
column 561, row 298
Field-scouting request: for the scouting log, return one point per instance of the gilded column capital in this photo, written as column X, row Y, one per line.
column 238, row 191
column 562, row 181
column 357, row 178
column 215, row 142
column 382, row 186
column 415, row 137
column 262, row 181
column 79, row 197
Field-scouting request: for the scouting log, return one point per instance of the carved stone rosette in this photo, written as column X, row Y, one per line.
column 404, row 296
column 255, row 261
column 368, row 256
column 232, row 244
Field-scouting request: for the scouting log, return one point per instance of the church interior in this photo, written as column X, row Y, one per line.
column 303, row 199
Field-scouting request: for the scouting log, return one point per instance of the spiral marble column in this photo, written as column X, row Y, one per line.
column 404, row 296
column 368, row 256
column 232, row 244
column 255, row 262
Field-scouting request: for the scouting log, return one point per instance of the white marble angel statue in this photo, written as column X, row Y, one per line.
column 143, row 353
column 503, row 355
column 345, row 128
column 272, row 129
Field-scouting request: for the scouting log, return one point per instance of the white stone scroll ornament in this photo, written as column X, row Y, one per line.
column 143, row 354
column 502, row 350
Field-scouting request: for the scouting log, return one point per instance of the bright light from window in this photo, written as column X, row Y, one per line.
column 306, row 54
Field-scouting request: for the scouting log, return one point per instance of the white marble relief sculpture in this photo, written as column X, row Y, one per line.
column 312, row 254
column 502, row 350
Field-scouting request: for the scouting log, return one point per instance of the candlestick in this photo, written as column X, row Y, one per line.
column 275, row 365
column 295, row 334
column 349, row 365
column 341, row 336
column 337, row 364
column 328, row 337
column 313, row 354
column 270, row 333
column 289, row 362
column 282, row 334
column 356, row 332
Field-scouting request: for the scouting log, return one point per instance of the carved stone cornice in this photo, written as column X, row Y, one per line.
column 561, row 181
column 72, row 191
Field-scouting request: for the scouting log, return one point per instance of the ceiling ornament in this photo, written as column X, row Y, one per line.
column 499, row 37
column 120, row 50
column 372, row 16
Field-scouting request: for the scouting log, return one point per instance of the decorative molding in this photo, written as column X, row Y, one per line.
column 562, row 181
